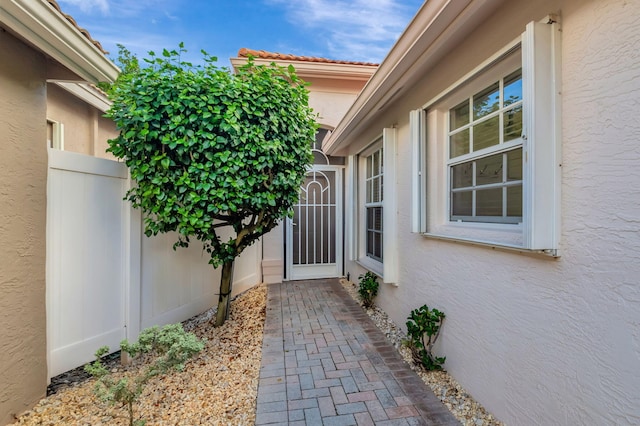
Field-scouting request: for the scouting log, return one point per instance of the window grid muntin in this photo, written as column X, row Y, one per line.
column 374, row 183
column 471, row 124
column 474, row 188
column 473, row 156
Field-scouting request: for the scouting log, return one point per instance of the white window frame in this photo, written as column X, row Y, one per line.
column 540, row 228
column 506, row 68
column 57, row 135
column 374, row 183
column 373, row 264
column 388, row 267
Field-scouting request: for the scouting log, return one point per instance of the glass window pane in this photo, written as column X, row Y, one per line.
column 462, row 175
column 376, row 164
column 513, row 123
column 369, row 166
column 489, row 170
column 487, row 101
column 381, row 187
column 459, row 115
column 376, row 190
column 459, row 143
column 370, row 214
column 370, row 243
column 514, row 201
column 461, row 203
column 378, row 219
column 513, row 88
column 377, row 246
column 514, row 164
column 486, row 133
column 489, row 202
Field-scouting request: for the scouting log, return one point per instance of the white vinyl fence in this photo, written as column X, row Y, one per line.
column 106, row 280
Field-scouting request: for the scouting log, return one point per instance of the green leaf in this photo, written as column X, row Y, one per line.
column 202, row 142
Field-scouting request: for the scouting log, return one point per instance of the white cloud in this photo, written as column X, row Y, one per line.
column 89, row 6
column 124, row 9
column 353, row 29
column 132, row 23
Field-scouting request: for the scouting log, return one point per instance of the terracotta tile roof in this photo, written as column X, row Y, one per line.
column 75, row 24
column 261, row 54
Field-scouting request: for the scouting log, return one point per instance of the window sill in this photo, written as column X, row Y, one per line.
column 371, row 265
column 551, row 253
column 491, row 233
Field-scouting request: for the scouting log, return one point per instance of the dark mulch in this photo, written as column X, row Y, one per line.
column 78, row 375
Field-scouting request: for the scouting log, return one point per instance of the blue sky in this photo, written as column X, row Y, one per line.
column 355, row 30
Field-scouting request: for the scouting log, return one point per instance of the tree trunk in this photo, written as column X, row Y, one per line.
column 226, row 280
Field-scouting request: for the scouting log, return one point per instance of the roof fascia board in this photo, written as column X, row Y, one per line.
column 86, row 93
column 429, row 32
column 40, row 24
column 317, row 69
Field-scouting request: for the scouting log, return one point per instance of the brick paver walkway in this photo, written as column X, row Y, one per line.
column 324, row 362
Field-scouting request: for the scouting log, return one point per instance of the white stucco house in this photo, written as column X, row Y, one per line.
column 488, row 167
column 493, row 172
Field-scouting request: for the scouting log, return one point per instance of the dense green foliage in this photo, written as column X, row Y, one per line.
column 169, row 347
column 423, row 329
column 128, row 63
column 368, row 288
column 209, row 149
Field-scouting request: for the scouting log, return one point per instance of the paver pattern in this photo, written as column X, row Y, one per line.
column 324, row 362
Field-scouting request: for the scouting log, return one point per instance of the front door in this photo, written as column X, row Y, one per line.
column 314, row 235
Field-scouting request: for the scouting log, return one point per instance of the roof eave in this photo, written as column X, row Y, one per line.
column 418, row 48
column 46, row 29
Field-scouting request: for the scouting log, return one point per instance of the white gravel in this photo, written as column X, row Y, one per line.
column 453, row 396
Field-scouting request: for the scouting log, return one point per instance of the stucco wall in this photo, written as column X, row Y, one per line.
column 86, row 131
column 538, row 340
column 331, row 98
column 23, row 161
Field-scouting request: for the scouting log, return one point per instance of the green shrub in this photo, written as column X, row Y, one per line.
column 423, row 329
column 368, row 288
column 170, row 346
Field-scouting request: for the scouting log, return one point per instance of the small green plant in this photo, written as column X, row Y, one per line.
column 170, row 346
column 423, row 329
column 368, row 288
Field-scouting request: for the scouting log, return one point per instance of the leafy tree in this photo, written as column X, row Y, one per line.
column 216, row 156
column 128, row 63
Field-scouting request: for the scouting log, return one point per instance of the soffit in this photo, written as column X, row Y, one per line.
column 43, row 25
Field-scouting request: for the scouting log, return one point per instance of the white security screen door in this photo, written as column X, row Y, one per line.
column 314, row 235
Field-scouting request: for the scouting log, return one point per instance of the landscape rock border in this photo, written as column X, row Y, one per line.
column 462, row 405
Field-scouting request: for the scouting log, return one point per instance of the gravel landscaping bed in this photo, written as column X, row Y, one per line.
column 217, row 387
column 452, row 395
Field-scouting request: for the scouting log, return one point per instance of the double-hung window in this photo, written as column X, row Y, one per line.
column 375, row 207
column 374, row 166
column 485, row 154
column 487, row 150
